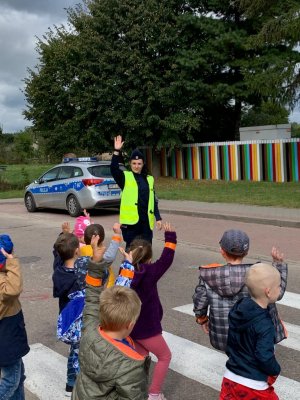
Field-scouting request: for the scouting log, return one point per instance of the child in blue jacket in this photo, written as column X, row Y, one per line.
column 252, row 367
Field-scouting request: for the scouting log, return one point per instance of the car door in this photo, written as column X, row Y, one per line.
column 45, row 191
column 64, row 183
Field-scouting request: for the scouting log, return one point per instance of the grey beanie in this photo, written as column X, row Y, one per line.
column 235, row 242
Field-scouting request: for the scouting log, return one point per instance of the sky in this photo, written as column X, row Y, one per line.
column 21, row 22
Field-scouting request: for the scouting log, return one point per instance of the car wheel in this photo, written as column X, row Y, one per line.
column 73, row 206
column 30, row 203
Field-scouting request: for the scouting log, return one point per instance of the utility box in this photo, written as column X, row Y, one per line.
column 265, row 132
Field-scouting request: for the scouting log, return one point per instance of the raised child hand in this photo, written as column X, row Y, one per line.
column 117, row 228
column 127, row 256
column 6, row 255
column 118, row 143
column 98, row 250
column 86, row 214
column 276, row 255
column 168, row 227
column 65, row 227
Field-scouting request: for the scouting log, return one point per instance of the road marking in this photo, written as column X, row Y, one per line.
column 290, row 299
column 207, row 366
column 46, row 369
column 46, row 372
column 292, row 342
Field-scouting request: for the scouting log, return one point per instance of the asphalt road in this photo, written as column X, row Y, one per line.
column 34, row 235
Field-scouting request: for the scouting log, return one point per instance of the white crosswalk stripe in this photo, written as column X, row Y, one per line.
column 46, row 369
column 290, row 300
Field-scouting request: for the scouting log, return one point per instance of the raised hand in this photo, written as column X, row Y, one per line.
column 6, row 255
column 127, row 256
column 98, row 250
column 118, row 143
column 86, row 214
column 276, row 255
column 117, row 228
column 168, row 227
column 65, row 227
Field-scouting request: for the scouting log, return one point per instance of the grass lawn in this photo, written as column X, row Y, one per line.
column 256, row 193
column 16, row 177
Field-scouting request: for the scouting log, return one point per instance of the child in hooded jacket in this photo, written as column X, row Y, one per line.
column 252, row 367
column 139, row 273
column 221, row 286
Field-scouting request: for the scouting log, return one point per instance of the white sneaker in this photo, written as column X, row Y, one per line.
column 159, row 396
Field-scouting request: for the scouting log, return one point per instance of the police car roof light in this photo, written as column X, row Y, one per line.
column 80, row 159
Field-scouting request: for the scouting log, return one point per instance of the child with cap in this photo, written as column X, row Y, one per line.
column 221, row 286
column 13, row 343
column 252, row 367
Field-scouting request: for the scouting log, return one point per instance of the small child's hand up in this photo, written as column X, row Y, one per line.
column 6, row 255
column 276, row 255
column 168, row 227
column 65, row 227
column 86, row 214
column 98, row 250
column 117, row 228
column 127, row 256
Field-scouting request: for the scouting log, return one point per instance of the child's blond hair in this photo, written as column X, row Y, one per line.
column 118, row 307
column 260, row 277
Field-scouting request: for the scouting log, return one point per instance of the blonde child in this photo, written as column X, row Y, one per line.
column 110, row 365
column 252, row 366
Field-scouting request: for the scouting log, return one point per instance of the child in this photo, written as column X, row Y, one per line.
column 86, row 251
column 69, row 323
column 143, row 278
column 13, row 343
column 252, row 366
column 65, row 283
column 221, row 286
column 110, row 366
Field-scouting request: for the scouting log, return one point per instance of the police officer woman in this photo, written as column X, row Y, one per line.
column 139, row 209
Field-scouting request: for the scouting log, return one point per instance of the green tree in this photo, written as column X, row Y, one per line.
column 267, row 113
column 158, row 72
column 279, row 27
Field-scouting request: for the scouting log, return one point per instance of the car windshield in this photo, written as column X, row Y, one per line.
column 100, row 171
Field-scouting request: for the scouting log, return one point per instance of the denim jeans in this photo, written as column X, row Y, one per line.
column 73, row 364
column 12, row 381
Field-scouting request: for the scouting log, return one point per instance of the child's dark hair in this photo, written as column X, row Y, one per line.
column 94, row 229
column 141, row 252
column 66, row 245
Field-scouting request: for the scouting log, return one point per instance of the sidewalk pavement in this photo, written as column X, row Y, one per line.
column 287, row 217
column 277, row 216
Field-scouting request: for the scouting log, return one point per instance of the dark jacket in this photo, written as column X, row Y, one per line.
column 13, row 337
column 64, row 283
column 143, row 189
column 145, row 284
column 109, row 369
column 251, row 339
column 219, row 288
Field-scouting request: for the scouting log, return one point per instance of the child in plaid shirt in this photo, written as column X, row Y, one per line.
column 221, row 286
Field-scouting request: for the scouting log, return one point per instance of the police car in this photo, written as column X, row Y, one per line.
column 73, row 185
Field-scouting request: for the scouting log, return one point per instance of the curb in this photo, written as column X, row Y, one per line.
column 254, row 220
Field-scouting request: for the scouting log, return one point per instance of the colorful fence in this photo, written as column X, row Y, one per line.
column 264, row 160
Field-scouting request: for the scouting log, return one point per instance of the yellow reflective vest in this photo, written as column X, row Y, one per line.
column 129, row 200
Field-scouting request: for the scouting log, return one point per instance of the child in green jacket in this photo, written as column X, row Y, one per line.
column 110, row 367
